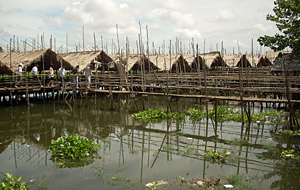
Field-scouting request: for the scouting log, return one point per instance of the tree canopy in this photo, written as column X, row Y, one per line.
column 287, row 19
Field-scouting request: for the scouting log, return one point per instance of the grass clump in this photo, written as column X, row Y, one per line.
column 67, row 149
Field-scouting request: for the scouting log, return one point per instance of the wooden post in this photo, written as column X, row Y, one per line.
column 83, row 38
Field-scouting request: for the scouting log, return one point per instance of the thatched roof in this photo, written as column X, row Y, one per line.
column 292, row 62
column 83, row 58
column 213, row 59
column 193, row 62
column 272, row 55
column 258, row 61
column 180, row 65
column 5, row 69
column 163, row 61
column 134, row 63
column 30, row 58
column 236, row 60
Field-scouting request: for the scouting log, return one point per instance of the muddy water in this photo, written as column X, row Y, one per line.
column 135, row 153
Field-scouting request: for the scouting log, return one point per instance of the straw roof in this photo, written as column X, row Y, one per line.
column 83, row 59
column 163, row 61
column 232, row 60
column 133, row 63
column 44, row 58
column 272, row 55
column 5, row 69
column 292, row 62
column 213, row 59
column 180, row 65
column 236, row 60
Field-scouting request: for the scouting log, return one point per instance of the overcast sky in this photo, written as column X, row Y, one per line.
column 232, row 22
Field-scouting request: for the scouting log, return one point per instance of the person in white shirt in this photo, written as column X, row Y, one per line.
column 19, row 73
column 51, row 76
column 34, row 72
column 62, row 73
column 87, row 74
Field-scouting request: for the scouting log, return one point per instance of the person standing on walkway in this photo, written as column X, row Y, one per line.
column 51, row 76
column 75, row 76
column 87, row 74
column 34, row 72
column 19, row 73
column 62, row 73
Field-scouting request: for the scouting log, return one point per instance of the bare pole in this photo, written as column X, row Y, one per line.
column 54, row 44
column 10, row 66
column 95, row 45
column 83, row 38
column 67, row 43
column 118, row 38
column 51, row 42
column 204, row 45
column 102, row 43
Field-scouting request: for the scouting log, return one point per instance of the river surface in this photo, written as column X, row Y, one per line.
column 134, row 153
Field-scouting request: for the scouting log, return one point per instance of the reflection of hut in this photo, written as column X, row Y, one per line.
column 180, row 65
column 291, row 62
column 5, row 70
column 213, row 60
column 135, row 63
column 44, row 58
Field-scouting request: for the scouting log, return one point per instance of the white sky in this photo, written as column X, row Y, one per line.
column 229, row 21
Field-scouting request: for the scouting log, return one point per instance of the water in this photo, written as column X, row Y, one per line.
column 134, row 153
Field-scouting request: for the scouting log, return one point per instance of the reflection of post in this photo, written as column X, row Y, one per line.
column 162, row 143
column 142, row 161
column 205, row 149
column 240, row 150
column 247, row 148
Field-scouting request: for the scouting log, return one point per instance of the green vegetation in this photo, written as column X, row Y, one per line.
column 67, row 149
column 290, row 154
column 217, row 156
column 196, row 114
column 287, row 133
column 10, row 182
column 156, row 116
column 225, row 113
column 287, row 13
column 240, row 182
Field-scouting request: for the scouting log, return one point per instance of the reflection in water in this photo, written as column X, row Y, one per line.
column 142, row 152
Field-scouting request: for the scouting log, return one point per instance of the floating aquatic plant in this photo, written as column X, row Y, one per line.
column 155, row 115
column 67, row 149
column 11, row 182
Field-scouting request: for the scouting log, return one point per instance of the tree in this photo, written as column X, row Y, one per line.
column 287, row 19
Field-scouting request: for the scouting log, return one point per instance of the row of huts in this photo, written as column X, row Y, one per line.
column 116, row 63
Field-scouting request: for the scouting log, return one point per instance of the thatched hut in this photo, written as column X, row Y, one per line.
column 213, row 60
column 288, row 61
column 4, row 69
column 163, row 62
column 180, row 65
column 96, row 59
column 232, row 60
column 44, row 58
column 272, row 55
column 195, row 62
column 236, row 61
column 134, row 62
column 258, row 61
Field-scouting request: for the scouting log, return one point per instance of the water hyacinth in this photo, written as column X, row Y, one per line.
column 73, row 148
